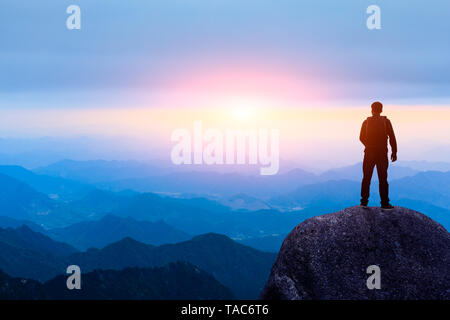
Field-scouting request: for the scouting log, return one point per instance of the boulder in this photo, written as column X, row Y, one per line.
column 327, row 257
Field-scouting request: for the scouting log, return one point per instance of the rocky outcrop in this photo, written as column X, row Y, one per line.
column 327, row 257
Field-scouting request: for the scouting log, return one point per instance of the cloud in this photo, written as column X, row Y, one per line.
column 141, row 45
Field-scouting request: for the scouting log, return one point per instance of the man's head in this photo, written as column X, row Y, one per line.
column 377, row 108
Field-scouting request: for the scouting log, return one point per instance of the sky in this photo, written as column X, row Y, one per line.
column 141, row 69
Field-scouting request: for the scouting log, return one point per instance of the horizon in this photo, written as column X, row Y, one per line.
column 303, row 141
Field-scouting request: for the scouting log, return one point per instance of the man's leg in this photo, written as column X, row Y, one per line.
column 368, row 165
column 382, row 167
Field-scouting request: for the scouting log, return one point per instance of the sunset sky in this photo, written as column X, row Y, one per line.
column 141, row 69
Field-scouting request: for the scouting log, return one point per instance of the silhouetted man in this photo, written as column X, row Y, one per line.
column 375, row 132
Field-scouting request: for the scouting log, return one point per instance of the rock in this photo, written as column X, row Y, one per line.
column 326, row 257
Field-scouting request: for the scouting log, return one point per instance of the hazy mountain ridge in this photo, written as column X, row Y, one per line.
column 122, row 222
column 354, row 172
column 95, row 171
column 56, row 187
column 109, row 229
column 28, row 254
column 120, row 175
column 27, row 238
column 8, row 222
column 175, row 281
column 194, row 216
column 19, row 201
column 240, row 268
column 427, row 191
column 21, row 258
column 201, row 215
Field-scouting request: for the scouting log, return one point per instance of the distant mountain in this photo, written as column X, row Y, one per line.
column 354, row 173
column 218, row 184
column 240, row 268
column 27, row 158
column 121, row 175
column 109, row 229
column 430, row 186
column 334, row 193
column 425, row 165
column 144, row 177
column 174, row 281
column 20, row 201
column 28, row 254
column 269, row 243
column 427, row 191
column 194, row 216
column 98, row 203
column 7, row 222
column 55, row 187
column 95, row 171
column 243, row 201
column 23, row 203
column 24, row 237
column 93, row 206
column 436, row 213
column 199, row 215
column 25, row 253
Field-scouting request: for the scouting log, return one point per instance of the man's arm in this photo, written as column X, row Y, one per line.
column 362, row 134
column 392, row 140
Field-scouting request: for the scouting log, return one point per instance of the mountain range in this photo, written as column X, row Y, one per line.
column 55, row 187
column 122, row 175
column 175, row 281
column 202, row 214
column 229, row 225
column 238, row 267
column 18, row 200
column 110, row 228
column 29, row 254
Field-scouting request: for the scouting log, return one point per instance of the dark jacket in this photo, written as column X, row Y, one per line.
column 375, row 132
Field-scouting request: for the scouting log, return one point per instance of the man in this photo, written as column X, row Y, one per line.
column 375, row 132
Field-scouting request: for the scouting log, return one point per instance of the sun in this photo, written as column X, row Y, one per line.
column 243, row 109
column 242, row 114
